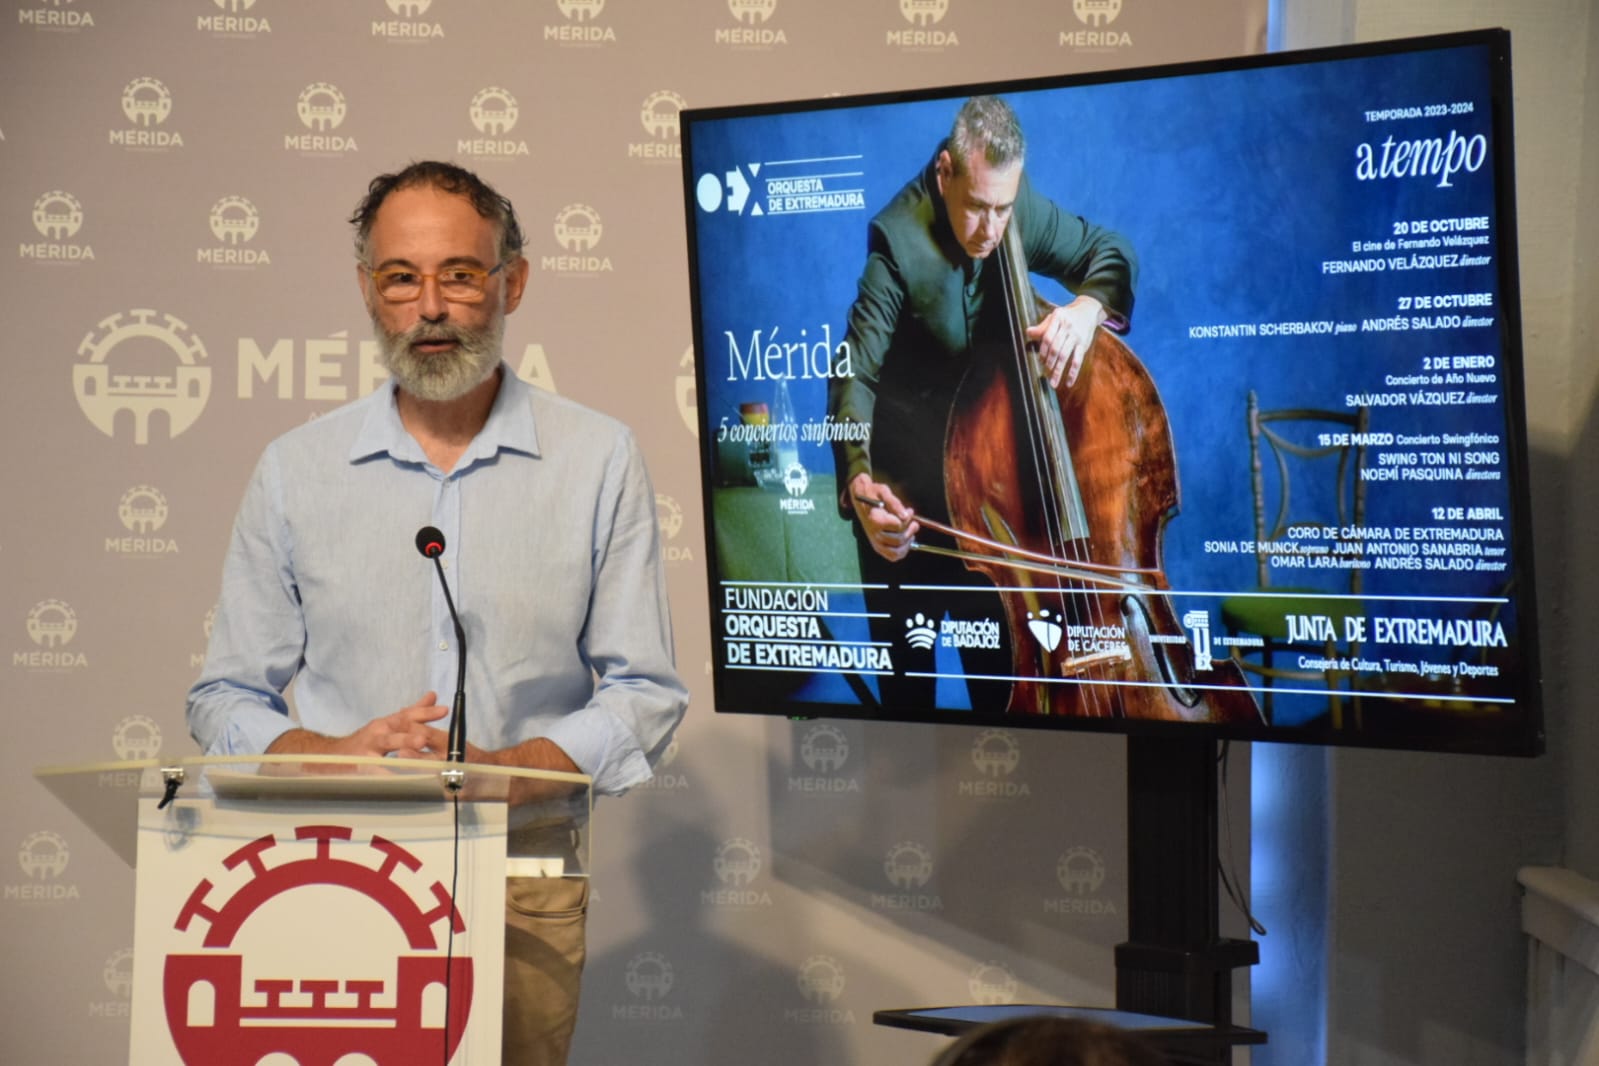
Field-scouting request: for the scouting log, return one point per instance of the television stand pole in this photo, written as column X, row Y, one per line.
column 1175, row 962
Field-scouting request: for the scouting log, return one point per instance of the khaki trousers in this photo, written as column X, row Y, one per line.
column 544, row 952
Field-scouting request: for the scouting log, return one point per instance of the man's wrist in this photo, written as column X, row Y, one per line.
column 299, row 741
column 540, row 753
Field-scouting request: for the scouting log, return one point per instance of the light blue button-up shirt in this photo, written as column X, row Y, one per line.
column 553, row 558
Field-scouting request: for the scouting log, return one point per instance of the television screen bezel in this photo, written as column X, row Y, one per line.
column 1529, row 738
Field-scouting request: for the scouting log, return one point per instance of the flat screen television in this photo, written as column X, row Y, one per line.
column 1285, row 496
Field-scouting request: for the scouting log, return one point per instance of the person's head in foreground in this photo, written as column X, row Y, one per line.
column 1042, row 1040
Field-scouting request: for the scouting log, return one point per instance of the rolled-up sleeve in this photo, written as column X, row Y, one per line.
column 626, row 638
column 236, row 706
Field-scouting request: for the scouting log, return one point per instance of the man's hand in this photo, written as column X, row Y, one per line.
column 405, row 734
column 1063, row 337
column 889, row 525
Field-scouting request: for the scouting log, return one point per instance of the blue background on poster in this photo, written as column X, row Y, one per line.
column 1234, row 187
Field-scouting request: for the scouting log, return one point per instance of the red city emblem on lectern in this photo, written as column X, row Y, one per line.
column 399, row 1017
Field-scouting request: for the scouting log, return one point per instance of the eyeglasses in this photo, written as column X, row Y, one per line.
column 457, row 284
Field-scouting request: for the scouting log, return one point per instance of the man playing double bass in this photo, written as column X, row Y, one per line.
column 928, row 298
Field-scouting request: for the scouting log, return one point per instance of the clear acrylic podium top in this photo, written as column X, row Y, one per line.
column 547, row 811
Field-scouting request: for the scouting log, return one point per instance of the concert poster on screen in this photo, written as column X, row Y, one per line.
column 1330, row 238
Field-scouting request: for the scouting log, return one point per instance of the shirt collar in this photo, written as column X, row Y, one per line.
column 509, row 427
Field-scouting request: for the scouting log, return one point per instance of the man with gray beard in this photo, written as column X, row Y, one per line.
column 554, row 561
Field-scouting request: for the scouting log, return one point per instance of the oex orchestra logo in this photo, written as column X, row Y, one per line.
column 398, row 1017
column 731, row 189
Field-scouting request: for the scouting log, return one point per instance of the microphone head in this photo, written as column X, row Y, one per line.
column 430, row 542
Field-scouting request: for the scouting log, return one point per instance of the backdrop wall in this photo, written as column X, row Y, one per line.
column 180, row 288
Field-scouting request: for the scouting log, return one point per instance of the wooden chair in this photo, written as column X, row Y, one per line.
column 1304, row 469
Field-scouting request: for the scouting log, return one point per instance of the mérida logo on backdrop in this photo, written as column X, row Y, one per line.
column 141, row 364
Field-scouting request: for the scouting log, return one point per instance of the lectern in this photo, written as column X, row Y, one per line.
column 322, row 909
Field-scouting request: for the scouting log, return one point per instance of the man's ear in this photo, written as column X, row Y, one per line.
column 515, row 282
column 944, row 168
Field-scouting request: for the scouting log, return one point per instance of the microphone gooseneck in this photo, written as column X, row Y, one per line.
column 430, row 542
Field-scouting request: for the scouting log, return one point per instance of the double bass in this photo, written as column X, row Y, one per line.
column 1060, row 496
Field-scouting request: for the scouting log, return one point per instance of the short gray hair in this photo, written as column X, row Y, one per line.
column 448, row 178
column 986, row 124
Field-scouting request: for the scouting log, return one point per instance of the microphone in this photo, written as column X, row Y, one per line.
column 430, row 542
